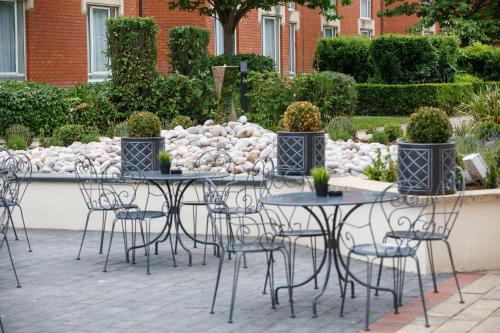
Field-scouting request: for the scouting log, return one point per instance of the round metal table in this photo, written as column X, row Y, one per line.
column 176, row 185
column 328, row 224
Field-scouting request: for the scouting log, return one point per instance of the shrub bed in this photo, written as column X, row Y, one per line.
column 189, row 50
column 481, row 60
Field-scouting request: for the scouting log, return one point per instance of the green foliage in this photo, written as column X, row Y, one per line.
column 320, row 176
column 302, row 117
column 334, row 93
column 404, row 99
column 39, row 107
column 344, row 54
column 341, row 128
column 382, row 169
column 364, row 122
column 491, row 179
column 119, row 129
column 143, row 124
column 412, row 59
column 16, row 142
column 487, row 130
column 380, row 137
column 164, row 157
column 467, row 78
column 268, row 97
column 429, row 125
column 481, row 60
column 89, row 105
column 67, row 134
column 183, row 121
column 484, row 107
column 19, row 131
column 189, row 50
column 54, row 141
column 87, row 138
column 132, row 50
column 256, row 63
column 393, row 132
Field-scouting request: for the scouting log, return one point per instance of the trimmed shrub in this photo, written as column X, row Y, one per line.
column 334, row 93
column 481, row 60
column 16, row 142
column 132, row 50
column 268, row 97
column 39, row 107
column 256, row 63
column 380, row 137
column 143, row 124
column 302, row 117
column 393, row 132
column 429, row 125
column 183, row 121
column 344, row 54
column 87, row 138
column 341, row 128
column 20, row 131
column 447, row 53
column 467, row 78
column 67, row 134
column 189, row 50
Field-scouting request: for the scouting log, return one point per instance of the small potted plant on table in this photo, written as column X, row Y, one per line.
column 144, row 143
column 427, row 159
column 320, row 178
column 301, row 146
column 165, row 162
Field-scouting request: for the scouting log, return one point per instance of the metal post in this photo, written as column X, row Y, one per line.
column 243, row 86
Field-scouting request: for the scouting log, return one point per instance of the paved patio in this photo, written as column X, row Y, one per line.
column 60, row 294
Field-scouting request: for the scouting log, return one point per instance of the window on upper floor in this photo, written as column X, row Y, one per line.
column 332, row 3
column 98, row 62
column 12, row 48
column 330, row 31
column 292, row 63
column 365, row 9
column 271, row 39
column 291, row 6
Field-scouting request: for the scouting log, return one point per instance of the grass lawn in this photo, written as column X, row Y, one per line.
column 363, row 122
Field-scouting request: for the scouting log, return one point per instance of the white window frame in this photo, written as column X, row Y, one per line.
column 291, row 6
column 95, row 76
column 369, row 9
column 17, row 75
column 366, row 33
column 277, row 38
column 292, row 51
column 333, row 29
column 331, row 11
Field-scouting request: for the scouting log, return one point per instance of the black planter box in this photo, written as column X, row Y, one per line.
column 142, row 152
column 426, row 164
column 299, row 152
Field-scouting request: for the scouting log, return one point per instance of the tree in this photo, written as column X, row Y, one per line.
column 230, row 12
column 470, row 20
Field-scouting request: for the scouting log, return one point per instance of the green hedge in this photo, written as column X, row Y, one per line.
column 344, row 54
column 256, row 63
column 481, row 60
column 398, row 99
column 39, row 107
column 189, row 50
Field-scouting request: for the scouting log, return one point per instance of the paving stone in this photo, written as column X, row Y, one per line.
column 456, row 326
column 489, row 325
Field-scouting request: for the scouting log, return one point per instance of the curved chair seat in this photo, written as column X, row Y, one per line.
column 254, row 247
column 301, row 233
column 140, row 215
column 193, row 203
column 113, row 207
column 417, row 235
column 383, row 250
column 235, row 210
column 7, row 203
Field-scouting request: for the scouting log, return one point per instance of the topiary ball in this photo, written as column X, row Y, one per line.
column 67, row 134
column 302, row 117
column 143, row 124
column 429, row 125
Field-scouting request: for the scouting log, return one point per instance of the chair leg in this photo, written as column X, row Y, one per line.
column 288, row 268
column 348, row 262
column 274, row 294
column 148, row 249
column 421, row 290
column 1, row 326
column 379, row 275
column 195, row 219
column 103, row 229
column 84, row 233
column 217, row 281
column 206, row 240
column 12, row 224
column 237, row 264
column 264, row 291
column 431, row 264
column 109, row 247
column 369, row 267
column 24, row 227
column 12, row 261
column 454, row 270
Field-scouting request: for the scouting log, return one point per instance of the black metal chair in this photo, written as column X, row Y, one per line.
column 359, row 238
column 439, row 228
column 249, row 235
column 121, row 192
column 1, row 326
column 9, row 190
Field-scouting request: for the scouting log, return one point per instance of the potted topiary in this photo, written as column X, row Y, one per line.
column 301, row 146
column 320, row 178
column 144, row 143
column 165, row 162
column 428, row 157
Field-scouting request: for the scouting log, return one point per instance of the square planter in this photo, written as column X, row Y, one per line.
column 142, row 152
column 299, row 152
column 431, row 165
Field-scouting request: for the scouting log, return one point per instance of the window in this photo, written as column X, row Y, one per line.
column 366, row 9
column 12, row 57
column 291, row 50
column 97, row 43
column 332, row 3
column 271, row 39
column 219, row 38
column 365, row 33
column 291, row 6
column 329, row 32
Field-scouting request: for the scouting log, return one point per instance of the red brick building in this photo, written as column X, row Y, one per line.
column 61, row 41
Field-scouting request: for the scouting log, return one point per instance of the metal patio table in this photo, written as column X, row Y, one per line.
column 176, row 185
column 328, row 224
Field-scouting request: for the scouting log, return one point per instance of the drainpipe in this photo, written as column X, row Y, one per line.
column 141, row 8
column 302, row 25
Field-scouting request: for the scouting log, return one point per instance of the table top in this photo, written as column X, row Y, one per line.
column 310, row 199
column 157, row 176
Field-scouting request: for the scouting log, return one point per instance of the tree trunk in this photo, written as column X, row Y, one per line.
column 228, row 39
